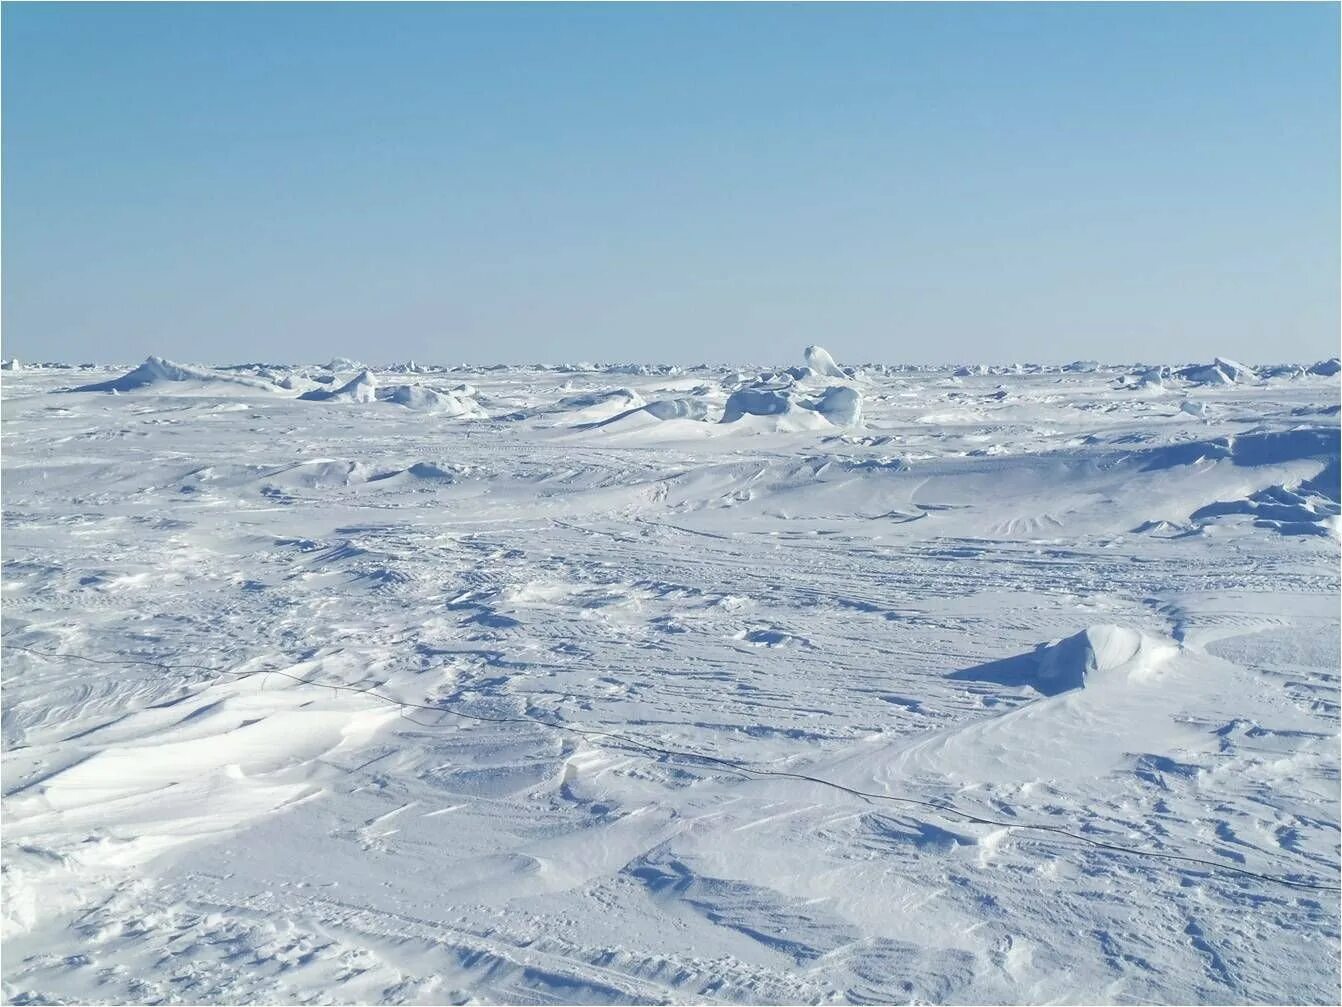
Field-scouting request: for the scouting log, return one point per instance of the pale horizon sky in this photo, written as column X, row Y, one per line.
column 666, row 182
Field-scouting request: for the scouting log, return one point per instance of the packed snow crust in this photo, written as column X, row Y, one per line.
column 340, row 683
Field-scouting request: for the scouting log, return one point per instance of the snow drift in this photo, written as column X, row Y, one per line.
column 1100, row 654
column 431, row 400
column 157, row 371
column 362, row 388
column 1256, row 447
column 839, row 404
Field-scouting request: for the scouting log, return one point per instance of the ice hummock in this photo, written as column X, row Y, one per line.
column 1221, row 371
column 158, row 371
column 819, row 360
column 432, row 400
column 362, row 388
column 792, row 394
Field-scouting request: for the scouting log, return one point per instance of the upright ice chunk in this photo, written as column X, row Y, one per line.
column 361, row 389
column 819, row 360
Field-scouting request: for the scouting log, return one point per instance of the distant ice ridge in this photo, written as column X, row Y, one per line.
column 12, row 364
column 156, row 371
column 1221, row 371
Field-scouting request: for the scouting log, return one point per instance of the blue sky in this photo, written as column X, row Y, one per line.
column 920, row 182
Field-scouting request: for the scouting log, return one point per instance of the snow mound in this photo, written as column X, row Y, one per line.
column 157, row 371
column 313, row 474
column 756, row 402
column 431, row 400
column 1099, row 655
column 1221, row 371
column 663, row 409
column 840, row 405
column 819, row 360
column 425, row 472
column 593, row 407
column 678, row 409
column 12, row 364
column 362, row 388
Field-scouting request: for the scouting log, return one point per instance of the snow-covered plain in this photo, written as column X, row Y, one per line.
column 1098, row 599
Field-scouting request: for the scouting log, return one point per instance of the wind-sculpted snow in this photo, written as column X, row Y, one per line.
column 156, row 373
column 999, row 683
column 839, row 405
column 434, row 400
column 1259, row 447
column 360, row 388
column 1098, row 654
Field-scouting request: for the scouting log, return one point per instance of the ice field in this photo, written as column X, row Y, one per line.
column 590, row 684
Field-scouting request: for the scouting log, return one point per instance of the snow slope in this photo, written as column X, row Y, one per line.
column 546, row 684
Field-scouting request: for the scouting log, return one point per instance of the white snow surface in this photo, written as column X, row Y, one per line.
column 448, row 690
